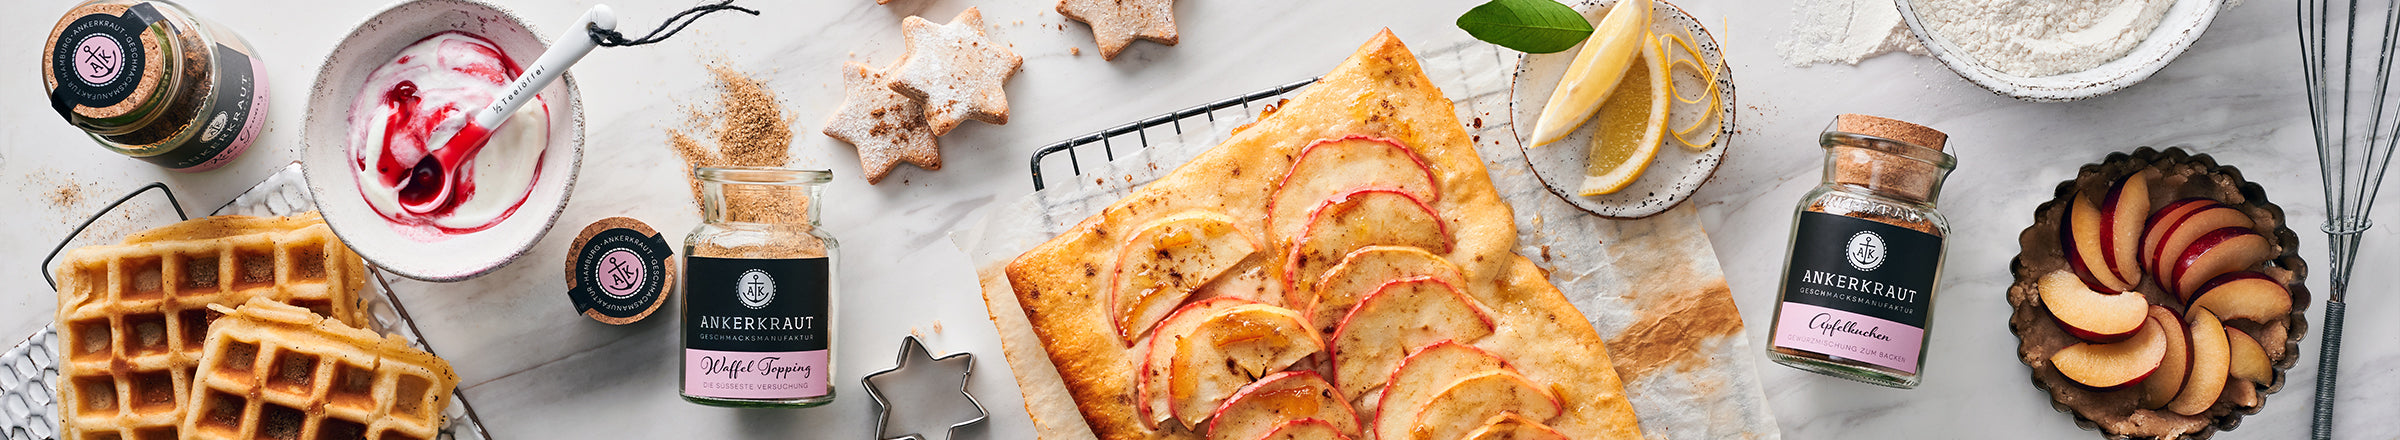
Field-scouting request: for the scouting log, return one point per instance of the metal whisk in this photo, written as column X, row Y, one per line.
column 2347, row 47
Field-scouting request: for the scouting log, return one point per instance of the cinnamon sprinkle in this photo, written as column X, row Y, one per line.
column 66, row 195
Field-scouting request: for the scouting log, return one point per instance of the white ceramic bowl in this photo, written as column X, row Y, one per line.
column 1674, row 174
column 2182, row 23
column 336, row 188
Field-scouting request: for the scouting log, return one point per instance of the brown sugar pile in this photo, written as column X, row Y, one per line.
column 745, row 126
column 752, row 131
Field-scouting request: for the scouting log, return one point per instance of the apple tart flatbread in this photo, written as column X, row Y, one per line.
column 1343, row 266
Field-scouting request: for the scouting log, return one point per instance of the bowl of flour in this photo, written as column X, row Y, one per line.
column 2056, row 50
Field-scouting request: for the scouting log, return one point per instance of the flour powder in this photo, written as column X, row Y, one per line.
column 2042, row 37
column 1845, row 31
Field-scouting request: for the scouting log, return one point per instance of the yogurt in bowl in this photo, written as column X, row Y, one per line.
column 412, row 103
column 396, row 88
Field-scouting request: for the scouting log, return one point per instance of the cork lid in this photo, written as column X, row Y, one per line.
column 1889, row 128
column 619, row 270
column 102, row 62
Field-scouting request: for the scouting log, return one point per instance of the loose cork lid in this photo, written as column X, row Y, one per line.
column 619, row 270
column 1889, row 128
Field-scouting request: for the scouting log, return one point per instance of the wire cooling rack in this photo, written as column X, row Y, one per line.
column 1137, row 134
column 29, row 371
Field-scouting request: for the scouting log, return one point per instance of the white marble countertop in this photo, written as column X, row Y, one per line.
column 536, row 370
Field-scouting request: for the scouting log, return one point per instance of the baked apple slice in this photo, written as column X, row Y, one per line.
column 2246, row 359
column 2114, row 365
column 2162, row 385
column 1400, row 317
column 2244, row 295
column 1425, row 374
column 1510, row 426
column 1305, row 429
column 1357, row 219
column 2162, row 222
column 1150, row 384
column 2080, row 239
column 1262, row 407
column 2122, row 211
column 2212, row 361
column 1481, row 396
column 2089, row 314
column 1363, row 271
column 1165, row 260
column 1331, row 167
column 2219, row 252
column 1233, row 348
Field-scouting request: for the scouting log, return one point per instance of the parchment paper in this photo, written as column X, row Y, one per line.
column 1652, row 286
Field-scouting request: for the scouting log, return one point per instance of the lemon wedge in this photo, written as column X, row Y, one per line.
column 1631, row 126
column 1596, row 70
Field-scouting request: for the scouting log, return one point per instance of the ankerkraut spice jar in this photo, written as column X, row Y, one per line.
column 758, row 291
column 1866, row 253
column 150, row 80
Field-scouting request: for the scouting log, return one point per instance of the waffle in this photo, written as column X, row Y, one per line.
column 224, row 226
column 277, row 371
column 132, row 316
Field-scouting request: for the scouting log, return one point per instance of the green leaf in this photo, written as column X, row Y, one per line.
column 1532, row 26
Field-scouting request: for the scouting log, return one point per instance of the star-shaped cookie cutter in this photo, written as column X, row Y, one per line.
column 910, row 348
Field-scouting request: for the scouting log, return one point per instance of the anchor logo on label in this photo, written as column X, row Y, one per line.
column 755, row 289
column 622, row 273
column 100, row 56
column 1865, row 251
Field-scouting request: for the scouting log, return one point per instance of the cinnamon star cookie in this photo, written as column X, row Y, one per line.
column 886, row 127
column 955, row 70
column 1115, row 23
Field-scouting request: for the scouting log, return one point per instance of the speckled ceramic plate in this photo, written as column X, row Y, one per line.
column 326, row 134
column 2175, row 32
column 1676, row 173
column 2112, row 412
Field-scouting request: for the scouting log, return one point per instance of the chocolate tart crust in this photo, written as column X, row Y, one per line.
column 2115, row 413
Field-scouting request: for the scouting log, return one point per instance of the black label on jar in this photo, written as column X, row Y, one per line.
column 621, row 274
column 756, row 328
column 232, row 120
column 99, row 59
column 1858, row 289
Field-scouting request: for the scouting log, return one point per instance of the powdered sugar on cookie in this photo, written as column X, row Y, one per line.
column 1116, row 23
column 955, row 70
column 886, row 127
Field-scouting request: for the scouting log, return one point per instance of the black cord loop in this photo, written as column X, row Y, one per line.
column 674, row 25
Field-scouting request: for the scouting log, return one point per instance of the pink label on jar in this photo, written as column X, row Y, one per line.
column 756, row 375
column 1849, row 335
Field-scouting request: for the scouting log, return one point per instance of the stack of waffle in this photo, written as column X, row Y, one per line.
column 133, row 316
column 277, row 371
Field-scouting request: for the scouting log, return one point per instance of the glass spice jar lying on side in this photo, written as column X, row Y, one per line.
column 759, row 293
column 1866, row 254
column 148, row 79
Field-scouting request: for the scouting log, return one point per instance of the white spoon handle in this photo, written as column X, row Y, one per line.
column 569, row 48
